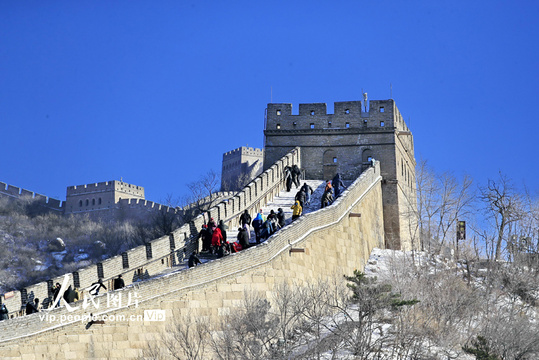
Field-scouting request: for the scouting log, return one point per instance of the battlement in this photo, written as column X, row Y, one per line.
column 14, row 192
column 145, row 204
column 213, row 289
column 159, row 254
column 106, row 186
column 244, row 151
column 347, row 115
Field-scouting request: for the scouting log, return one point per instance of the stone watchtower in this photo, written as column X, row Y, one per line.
column 99, row 197
column 240, row 166
column 345, row 142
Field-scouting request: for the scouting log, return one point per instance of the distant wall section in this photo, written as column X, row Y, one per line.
column 240, row 166
column 17, row 194
column 334, row 240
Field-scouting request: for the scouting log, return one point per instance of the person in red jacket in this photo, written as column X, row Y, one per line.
column 216, row 240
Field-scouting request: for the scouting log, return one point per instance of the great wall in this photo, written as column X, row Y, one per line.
column 332, row 241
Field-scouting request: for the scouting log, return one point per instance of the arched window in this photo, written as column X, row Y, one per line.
column 87, row 202
column 329, row 164
column 99, row 201
column 80, row 203
column 367, row 155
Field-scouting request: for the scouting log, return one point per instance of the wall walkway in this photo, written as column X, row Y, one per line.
column 334, row 240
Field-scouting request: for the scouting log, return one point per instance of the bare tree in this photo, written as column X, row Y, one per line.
column 442, row 200
column 503, row 207
column 202, row 195
column 187, row 339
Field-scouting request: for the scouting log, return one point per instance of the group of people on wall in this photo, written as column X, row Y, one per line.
column 214, row 237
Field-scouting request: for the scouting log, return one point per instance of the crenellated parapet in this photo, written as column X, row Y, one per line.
column 16, row 193
column 160, row 254
column 213, row 289
column 240, row 166
column 346, row 142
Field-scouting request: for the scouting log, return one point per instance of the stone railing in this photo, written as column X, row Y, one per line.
column 161, row 254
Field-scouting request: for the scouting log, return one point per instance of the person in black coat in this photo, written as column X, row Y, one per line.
column 56, row 294
column 337, row 184
column 243, row 238
column 296, row 173
column 223, row 228
column 70, row 295
column 281, row 217
column 31, row 307
column 245, row 218
column 118, row 283
column 288, row 178
column 193, row 260
column 301, row 196
column 206, row 238
column 4, row 313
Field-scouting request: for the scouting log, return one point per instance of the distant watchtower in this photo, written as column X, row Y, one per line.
column 240, row 166
column 345, row 142
column 100, row 196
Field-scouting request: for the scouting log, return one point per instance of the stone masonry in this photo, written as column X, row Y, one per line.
column 345, row 142
column 240, row 166
column 334, row 241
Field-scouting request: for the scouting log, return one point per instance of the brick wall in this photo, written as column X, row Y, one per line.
column 258, row 193
column 335, row 243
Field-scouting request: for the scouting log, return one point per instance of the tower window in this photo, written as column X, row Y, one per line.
column 278, row 126
column 278, row 112
column 294, row 123
column 87, row 202
column 312, row 112
column 382, row 109
column 99, row 201
column 80, row 203
column 329, row 123
column 382, row 124
column 347, row 125
column 335, row 160
column 365, row 121
column 312, row 125
column 347, row 111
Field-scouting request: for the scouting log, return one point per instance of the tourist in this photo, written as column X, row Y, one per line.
column 4, row 313
column 118, row 283
column 297, row 210
column 281, row 217
column 32, row 306
column 257, row 225
column 216, row 240
column 223, row 228
column 301, row 197
column 337, row 184
column 56, row 294
column 193, row 260
column 296, row 173
column 96, row 286
column 288, row 178
column 327, row 198
column 70, row 295
column 308, row 192
column 243, row 238
column 245, row 219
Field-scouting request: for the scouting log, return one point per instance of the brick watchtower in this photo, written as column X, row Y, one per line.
column 345, row 142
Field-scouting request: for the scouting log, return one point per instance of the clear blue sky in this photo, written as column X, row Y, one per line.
column 156, row 91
